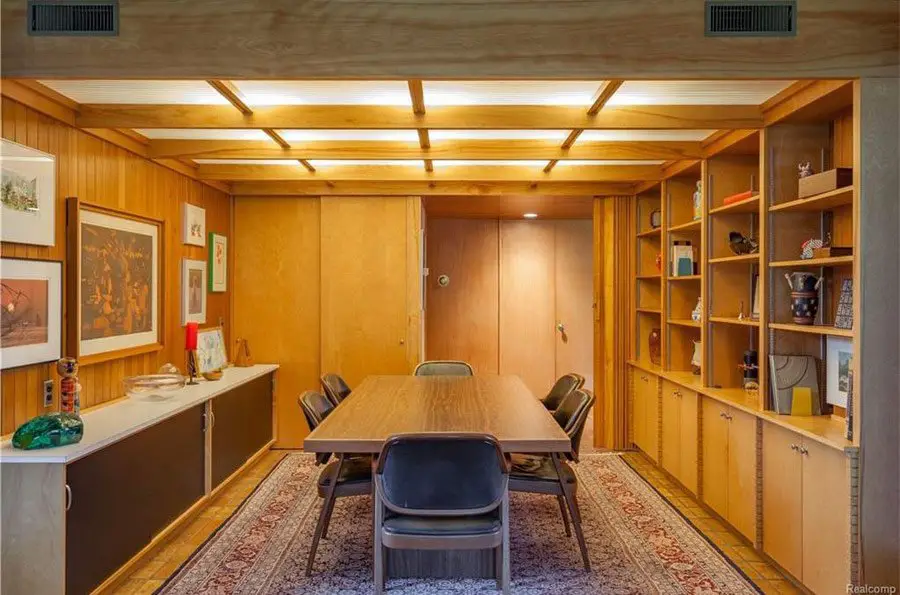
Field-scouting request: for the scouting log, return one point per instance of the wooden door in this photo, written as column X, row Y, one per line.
column 575, row 298
column 527, row 303
column 367, row 302
column 826, row 532
column 462, row 318
column 741, row 476
column 688, row 412
column 782, row 503
column 715, row 456
column 671, row 429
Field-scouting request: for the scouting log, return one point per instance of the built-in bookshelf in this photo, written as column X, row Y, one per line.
column 649, row 271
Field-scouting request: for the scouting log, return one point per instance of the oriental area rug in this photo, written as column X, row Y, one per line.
column 637, row 544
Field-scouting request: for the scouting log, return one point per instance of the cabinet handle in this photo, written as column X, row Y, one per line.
column 644, row 378
column 795, row 447
column 68, row 497
column 722, row 415
column 803, row 451
column 213, row 418
column 728, row 417
column 206, row 423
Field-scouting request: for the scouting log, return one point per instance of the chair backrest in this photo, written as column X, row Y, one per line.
column 561, row 389
column 443, row 368
column 572, row 415
column 442, row 474
column 335, row 388
column 316, row 407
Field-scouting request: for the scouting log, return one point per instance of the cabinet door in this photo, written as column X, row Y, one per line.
column 826, row 519
column 639, row 408
column 715, row 456
column 129, row 491
column 782, row 510
column 671, row 429
column 651, row 416
column 742, row 472
column 688, row 412
column 242, row 426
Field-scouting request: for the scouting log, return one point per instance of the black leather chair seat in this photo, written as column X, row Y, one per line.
column 538, row 468
column 482, row 524
column 354, row 470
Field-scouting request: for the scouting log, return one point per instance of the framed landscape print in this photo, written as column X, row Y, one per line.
column 31, row 298
column 193, row 291
column 218, row 257
column 211, row 353
column 193, row 225
column 838, row 367
column 27, row 195
column 116, row 279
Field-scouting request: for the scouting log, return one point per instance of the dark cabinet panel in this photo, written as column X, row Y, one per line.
column 127, row 492
column 243, row 425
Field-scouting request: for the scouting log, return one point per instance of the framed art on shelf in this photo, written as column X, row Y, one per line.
column 211, row 353
column 31, row 312
column 27, row 195
column 838, row 368
column 218, row 262
column 115, row 276
column 193, row 291
column 193, row 225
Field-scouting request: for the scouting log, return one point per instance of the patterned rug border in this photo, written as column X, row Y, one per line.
column 287, row 452
column 699, row 531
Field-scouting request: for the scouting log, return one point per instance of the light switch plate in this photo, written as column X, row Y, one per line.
column 48, row 393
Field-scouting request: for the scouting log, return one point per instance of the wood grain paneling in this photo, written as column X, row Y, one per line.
column 276, row 272
column 102, row 173
column 574, row 280
column 462, row 318
column 510, row 206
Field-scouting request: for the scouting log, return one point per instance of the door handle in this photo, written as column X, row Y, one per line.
column 68, row 497
column 560, row 327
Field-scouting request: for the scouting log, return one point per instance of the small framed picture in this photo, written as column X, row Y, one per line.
column 193, row 225
column 27, row 195
column 211, row 353
column 31, row 312
column 754, row 298
column 838, row 368
column 193, row 291
column 218, row 262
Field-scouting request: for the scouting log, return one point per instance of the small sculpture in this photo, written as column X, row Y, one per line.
column 804, row 169
column 804, row 297
column 697, row 312
column 698, row 200
column 69, row 388
column 47, row 431
column 696, row 359
column 741, row 244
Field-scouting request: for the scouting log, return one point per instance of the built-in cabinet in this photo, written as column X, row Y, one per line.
column 729, row 464
column 646, row 412
column 679, row 433
column 805, row 499
column 241, row 424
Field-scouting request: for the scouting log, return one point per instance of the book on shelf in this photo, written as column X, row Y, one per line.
column 729, row 200
column 682, row 263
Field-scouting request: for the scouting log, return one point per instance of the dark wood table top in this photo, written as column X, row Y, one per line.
column 382, row 406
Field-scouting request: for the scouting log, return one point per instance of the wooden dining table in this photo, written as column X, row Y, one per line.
column 383, row 406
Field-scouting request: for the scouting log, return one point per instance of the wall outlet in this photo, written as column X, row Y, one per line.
column 48, row 393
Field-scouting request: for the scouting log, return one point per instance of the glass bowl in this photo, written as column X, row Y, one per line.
column 153, row 387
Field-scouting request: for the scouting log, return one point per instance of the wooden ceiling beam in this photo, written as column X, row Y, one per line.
column 412, row 173
column 232, row 94
column 509, row 117
column 417, row 95
column 427, row 188
column 445, row 149
column 604, row 94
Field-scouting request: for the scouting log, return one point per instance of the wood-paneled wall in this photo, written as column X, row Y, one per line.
column 101, row 173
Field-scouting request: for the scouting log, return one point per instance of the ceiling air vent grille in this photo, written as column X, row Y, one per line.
column 766, row 18
column 71, row 17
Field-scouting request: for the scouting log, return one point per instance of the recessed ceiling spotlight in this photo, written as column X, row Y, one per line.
column 530, row 215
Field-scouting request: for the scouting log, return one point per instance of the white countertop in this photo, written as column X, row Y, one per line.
column 114, row 422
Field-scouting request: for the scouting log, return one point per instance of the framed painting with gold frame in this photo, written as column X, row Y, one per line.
column 115, row 278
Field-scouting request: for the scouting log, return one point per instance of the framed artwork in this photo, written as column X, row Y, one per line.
column 27, row 195
column 844, row 316
column 31, row 296
column 211, row 353
column 838, row 367
column 218, row 259
column 193, row 225
column 115, row 280
column 754, row 298
column 193, row 291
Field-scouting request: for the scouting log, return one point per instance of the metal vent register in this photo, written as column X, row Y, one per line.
column 71, row 17
column 760, row 18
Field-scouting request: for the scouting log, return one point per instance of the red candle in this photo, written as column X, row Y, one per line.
column 190, row 336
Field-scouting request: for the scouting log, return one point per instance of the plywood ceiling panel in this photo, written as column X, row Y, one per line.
column 259, row 93
column 204, row 133
column 510, row 92
column 648, row 135
column 696, row 92
column 358, row 134
column 141, row 92
column 508, row 207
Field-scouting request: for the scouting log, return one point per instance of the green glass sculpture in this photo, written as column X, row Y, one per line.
column 47, row 431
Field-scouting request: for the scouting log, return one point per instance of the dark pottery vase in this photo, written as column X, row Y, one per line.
column 804, row 306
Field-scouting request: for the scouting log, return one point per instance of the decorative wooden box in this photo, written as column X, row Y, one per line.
column 825, row 181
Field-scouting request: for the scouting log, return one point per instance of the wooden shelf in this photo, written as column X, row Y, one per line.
column 645, row 366
column 832, row 261
column 655, row 277
column 736, row 258
column 655, row 311
column 811, row 329
column 734, row 320
column 748, row 205
column 689, row 226
column 736, row 397
column 685, row 278
column 684, row 322
column 825, row 429
column 650, row 233
column 818, row 202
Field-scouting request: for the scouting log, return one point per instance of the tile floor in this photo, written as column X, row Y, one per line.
column 150, row 575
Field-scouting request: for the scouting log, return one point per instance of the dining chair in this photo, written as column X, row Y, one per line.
column 335, row 388
column 443, row 368
column 548, row 474
column 442, row 491
column 561, row 389
column 346, row 476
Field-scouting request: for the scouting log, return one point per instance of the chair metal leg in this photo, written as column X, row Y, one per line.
column 504, row 575
column 565, row 517
column 573, row 510
column 320, row 526
column 378, row 564
column 328, row 510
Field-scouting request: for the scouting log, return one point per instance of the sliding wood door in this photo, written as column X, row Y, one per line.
column 575, row 299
